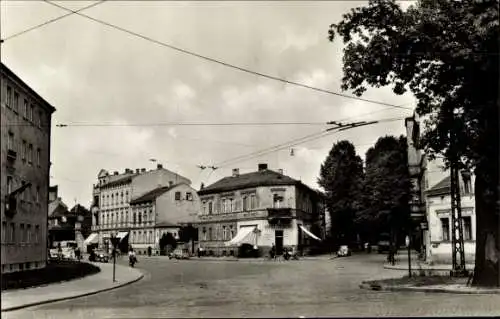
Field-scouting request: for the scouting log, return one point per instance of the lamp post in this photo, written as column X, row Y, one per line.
column 114, row 242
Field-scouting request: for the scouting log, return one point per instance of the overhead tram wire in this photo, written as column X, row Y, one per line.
column 52, row 20
column 242, row 69
column 298, row 141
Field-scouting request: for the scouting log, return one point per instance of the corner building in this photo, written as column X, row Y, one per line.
column 25, row 151
column 260, row 209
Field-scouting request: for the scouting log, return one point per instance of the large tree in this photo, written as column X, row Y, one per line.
column 341, row 178
column 386, row 189
column 446, row 53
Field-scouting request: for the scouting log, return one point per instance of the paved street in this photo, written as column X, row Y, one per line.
column 259, row 288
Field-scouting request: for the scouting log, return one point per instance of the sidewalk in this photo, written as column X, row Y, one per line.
column 458, row 288
column 102, row 281
column 419, row 267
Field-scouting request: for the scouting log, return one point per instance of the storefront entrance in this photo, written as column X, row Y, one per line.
column 278, row 239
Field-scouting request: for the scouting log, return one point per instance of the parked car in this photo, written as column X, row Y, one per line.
column 344, row 251
column 179, row 253
column 99, row 256
column 384, row 244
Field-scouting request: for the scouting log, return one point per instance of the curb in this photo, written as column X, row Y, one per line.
column 378, row 287
column 42, row 302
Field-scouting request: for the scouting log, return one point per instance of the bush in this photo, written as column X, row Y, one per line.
column 53, row 273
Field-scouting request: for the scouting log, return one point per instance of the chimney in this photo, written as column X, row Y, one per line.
column 280, row 170
column 137, row 170
column 159, row 166
column 262, row 167
column 236, row 172
column 115, row 173
column 143, row 170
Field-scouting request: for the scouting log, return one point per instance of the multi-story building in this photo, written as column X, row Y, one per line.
column 111, row 211
column 25, row 151
column 162, row 210
column 440, row 247
column 60, row 222
column 259, row 209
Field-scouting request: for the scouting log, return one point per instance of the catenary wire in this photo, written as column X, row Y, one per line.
column 242, row 69
column 52, row 20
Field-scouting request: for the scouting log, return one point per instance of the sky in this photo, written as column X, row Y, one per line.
column 122, row 90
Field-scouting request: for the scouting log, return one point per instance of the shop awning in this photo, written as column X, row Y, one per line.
column 309, row 233
column 121, row 235
column 92, row 239
column 245, row 235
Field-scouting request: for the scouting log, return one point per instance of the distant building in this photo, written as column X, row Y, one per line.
column 25, row 151
column 258, row 209
column 61, row 225
column 439, row 249
column 159, row 211
column 111, row 211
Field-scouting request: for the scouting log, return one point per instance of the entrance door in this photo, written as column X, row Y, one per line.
column 278, row 239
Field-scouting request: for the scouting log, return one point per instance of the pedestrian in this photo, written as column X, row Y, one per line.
column 77, row 253
column 272, row 252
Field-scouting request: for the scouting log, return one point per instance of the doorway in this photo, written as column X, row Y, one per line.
column 278, row 239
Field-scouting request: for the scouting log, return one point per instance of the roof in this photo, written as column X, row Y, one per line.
column 118, row 179
column 441, row 188
column 57, row 208
column 9, row 72
column 151, row 195
column 260, row 178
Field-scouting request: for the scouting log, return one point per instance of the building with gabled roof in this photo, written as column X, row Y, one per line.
column 112, row 195
column 161, row 210
column 438, row 201
column 257, row 210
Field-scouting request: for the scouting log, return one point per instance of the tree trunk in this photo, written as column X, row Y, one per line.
column 486, row 272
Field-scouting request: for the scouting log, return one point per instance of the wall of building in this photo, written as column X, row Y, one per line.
column 439, row 250
column 184, row 210
column 152, row 179
column 27, row 246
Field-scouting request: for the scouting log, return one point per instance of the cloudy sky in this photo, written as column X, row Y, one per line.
column 122, row 89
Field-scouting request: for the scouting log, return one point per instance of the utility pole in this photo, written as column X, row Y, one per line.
column 457, row 240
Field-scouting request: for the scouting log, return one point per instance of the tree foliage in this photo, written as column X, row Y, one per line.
column 446, row 54
column 386, row 188
column 341, row 178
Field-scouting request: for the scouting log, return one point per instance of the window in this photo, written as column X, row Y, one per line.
column 30, row 153
column 204, row 232
column 9, row 96
column 445, row 228
column 467, row 227
column 12, row 233
column 39, row 119
column 37, row 233
column 203, row 208
column 134, row 218
column 38, row 157
column 28, row 232
column 10, row 141
column 209, row 233
column 224, row 232
column 231, row 231
column 25, row 108
column 140, row 218
column 21, row 228
column 189, row 196
column 233, row 204
column 210, row 208
column 4, row 232
column 253, row 201
column 23, row 150
column 15, row 105
column 37, row 195
column 177, row 195
column 244, row 200
column 277, row 201
column 31, row 111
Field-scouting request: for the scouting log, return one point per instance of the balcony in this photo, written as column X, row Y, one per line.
column 279, row 216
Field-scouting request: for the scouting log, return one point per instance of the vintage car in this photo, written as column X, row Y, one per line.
column 179, row 253
column 99, row 256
